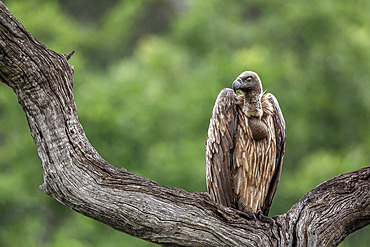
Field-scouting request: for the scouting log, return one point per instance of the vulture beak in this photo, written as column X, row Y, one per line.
column 237, row 84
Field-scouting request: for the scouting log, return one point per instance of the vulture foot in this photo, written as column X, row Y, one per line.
column 248, row 215
column 264, row 218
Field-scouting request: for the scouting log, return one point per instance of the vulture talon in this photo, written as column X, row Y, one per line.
column 251, row 215
column 265, row 219
column 248, row 215
column 275, row 218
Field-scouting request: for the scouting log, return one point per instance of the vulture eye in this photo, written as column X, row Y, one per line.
column 249, row 79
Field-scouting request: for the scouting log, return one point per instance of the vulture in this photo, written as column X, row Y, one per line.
column 245, row 146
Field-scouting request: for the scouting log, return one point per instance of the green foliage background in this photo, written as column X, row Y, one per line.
column 147, row 74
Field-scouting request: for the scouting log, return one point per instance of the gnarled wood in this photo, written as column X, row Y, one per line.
column 76, row 175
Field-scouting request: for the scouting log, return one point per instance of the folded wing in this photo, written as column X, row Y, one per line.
column 280, row 135
column 219, row 147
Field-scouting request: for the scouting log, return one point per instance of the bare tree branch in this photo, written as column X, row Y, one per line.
column 76, row 175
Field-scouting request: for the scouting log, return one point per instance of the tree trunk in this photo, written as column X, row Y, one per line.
column 76, row 175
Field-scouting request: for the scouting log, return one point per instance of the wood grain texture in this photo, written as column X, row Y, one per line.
column 76, row 175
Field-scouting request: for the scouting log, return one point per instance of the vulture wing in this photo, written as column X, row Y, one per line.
column 280, row 135
column 219, row 147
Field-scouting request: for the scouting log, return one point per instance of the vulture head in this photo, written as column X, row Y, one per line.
column 248, row 82
column 250, row 85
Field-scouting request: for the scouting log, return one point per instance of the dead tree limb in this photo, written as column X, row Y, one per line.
column 76, row 175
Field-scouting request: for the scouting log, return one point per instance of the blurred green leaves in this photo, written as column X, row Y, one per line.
column 147, row 74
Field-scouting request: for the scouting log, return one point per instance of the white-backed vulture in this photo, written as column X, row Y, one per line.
column 245, row 146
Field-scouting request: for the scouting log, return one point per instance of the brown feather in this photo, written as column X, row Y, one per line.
column 254, row 169
column 280, row 135
column 243, row 172
column 218, row 157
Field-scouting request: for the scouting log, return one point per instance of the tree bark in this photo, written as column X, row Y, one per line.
column 77, row 176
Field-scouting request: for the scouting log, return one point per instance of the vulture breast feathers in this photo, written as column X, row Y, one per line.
column 245, row 146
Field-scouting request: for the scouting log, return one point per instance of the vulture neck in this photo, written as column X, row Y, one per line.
column 252, row 106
